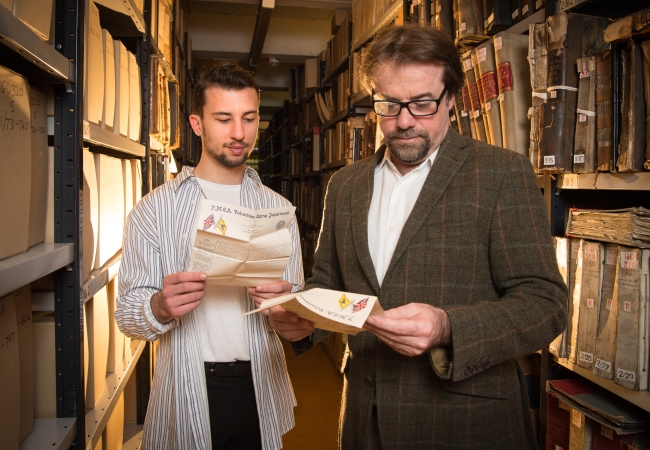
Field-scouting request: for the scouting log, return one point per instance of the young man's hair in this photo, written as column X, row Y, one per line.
column 410, row 44
column 225, row 74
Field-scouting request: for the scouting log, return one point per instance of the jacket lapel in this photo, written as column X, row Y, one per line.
column 362, row 188
column 451, row 156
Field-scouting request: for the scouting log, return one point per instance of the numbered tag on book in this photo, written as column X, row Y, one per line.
column 605, row 366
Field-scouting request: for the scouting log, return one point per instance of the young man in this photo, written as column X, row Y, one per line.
column 220, row 380
column 451, row 234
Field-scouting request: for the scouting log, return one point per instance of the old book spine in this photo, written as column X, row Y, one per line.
column 453, row 122
column 538, row 59
column 584, row 150
column 558, row 116
column 631, row 149
column 592, row 262
column 562, row 252
column 632, row 317
column 444, row 16
column 573, row 309
column 464, row 126
column 475, row 115
column 604, row 130
column 607, row 317
column 470, row 22
column 496, row 16
column 486, row 66
column 637, row 24
column 645, row 46
column 513, row 75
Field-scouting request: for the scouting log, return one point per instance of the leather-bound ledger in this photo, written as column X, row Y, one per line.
column 570, row 36
column 645, row 46
column 462, row 116
column 607, row 317
column 538, row 60
column 604, row 112
column 487, row 70
column 591, row 267
column 497, row 16
column 443, row 17
column 513, row 75
column 584, row 150
column 573, row 310
column 475, row 116
column 481, row 95
column 631, row 366
column 469, row 25
column 631, row 146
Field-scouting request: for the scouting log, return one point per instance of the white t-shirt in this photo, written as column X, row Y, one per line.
column 222, row 328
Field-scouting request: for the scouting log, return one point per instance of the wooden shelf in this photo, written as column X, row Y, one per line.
column 37, row 53
column 111, row 143
column 334, row 120
column 38, row 261
column 97, row 417
column 388, row 16
column 336, row 70
column 127, row 8
column 638, row 398
column 132, row 436
column 639, row 181
column 56, row 434
column 100, row 277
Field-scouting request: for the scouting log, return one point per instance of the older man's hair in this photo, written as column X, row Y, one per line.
column 410, row 44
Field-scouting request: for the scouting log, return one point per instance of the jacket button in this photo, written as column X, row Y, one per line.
column 368, row 381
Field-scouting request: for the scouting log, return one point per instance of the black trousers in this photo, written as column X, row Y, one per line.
column 234, row 421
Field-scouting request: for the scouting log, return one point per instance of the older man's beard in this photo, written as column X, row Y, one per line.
column 408, row 153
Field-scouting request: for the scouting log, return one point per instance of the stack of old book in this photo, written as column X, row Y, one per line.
column 630, row 226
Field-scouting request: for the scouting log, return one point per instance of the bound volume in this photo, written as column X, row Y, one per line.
column 604, row 112
column 584, row 152
column 513, row 74
column 631, row 147
column 486, row 68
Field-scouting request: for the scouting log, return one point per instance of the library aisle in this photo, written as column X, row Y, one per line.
column 318, row 386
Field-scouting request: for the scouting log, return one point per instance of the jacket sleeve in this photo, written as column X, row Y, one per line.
column 531, row 310
column 140, row 277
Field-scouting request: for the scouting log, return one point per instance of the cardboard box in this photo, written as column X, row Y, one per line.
column 98, row 341
column 135, row 101
column 93, row 107
column 121, row 121
column 312, row 73
column 15, row 154
column 39, row 175
column 136, row 172
column 25, row 334
column 44, row 366
column 36, row 15
column 9, row 374
column 110, row 189
column 108, row 118
column 579, row 431
column 49, row 211
column 90, row 213
column 116, row 337
column 127, row 177
column 113, row 435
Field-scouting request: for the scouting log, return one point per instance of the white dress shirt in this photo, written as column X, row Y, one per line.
column 393, row 198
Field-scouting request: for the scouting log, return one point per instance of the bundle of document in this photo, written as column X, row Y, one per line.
column 630, row 226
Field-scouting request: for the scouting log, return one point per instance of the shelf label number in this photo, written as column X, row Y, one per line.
column 587, row 357
column 605, row 366
column 627, row 375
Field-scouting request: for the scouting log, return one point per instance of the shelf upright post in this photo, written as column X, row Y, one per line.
column 144, row 60
column 68, row 176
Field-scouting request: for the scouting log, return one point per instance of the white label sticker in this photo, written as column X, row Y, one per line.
column 578, row 159
column 463, row 113
column 612, row 254
column 587, row 357
column 603, row 365
column 498, row 43
column 607, row 432
column 487, row 107
column 626, row 375
column 575, row 248
column 462, row 27
column 608, row 304
column 591, row 303
column 582, row 117
column 549, row 160
column 481, row 54
column 452, row 118
column 515, row 14
column 553, row 94
column 524, row 9
column 627, row 306
column 467, row 64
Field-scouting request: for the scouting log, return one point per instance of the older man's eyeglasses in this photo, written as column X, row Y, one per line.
column 417, row 108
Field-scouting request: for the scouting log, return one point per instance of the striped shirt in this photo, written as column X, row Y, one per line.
column 157, row 238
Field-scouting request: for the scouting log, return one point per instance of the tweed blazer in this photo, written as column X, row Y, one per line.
column 476, row 244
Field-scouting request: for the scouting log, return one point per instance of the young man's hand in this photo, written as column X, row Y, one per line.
column 181, row 293
column 286, row 324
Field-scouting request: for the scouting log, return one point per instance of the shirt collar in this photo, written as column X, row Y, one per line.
column 187, row 173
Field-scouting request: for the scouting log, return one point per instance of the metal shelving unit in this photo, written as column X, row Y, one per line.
column 55, row 434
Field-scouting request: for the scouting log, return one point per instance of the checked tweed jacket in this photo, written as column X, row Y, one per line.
column 477, row 244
